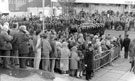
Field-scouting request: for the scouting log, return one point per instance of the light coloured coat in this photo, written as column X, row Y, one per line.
column 65, row 54
column 74, row 59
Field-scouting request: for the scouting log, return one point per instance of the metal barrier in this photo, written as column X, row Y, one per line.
column 100, row 60
column 105, row 58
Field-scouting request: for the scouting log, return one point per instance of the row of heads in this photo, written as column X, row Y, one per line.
column 6, row 27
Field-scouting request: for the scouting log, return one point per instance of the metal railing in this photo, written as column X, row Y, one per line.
column 99, row 60
column 109, row 57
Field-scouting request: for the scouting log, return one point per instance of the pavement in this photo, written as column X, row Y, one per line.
column 117, row 33
column 118, row 71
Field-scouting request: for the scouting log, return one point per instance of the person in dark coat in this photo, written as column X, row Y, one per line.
column 126, row 43
column 53, row 53
column 14, row 52
column 23, row 40
column 89, row 61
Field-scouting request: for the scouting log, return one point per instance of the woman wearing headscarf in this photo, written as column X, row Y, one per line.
column 81, row 39
column 74, row 61
column 65, row 54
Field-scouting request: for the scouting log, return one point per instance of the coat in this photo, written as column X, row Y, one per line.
column 81, row 61
column 46, row 48
column 89, row 60
column 14, row 43
column 132, row 50
column 5, row 40
column 53, row 53
column 121, row 42
column 64, row 62
column 74, row 60
column 23, row 40
column 126, row 43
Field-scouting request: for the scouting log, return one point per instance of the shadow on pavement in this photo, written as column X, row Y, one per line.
column 24, row 73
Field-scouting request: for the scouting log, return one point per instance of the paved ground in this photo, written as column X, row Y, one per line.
column 119, row 71
column 117, row 33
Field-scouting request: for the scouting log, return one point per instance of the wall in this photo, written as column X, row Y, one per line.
column 47, row 11
column 105, row 8
column 22, row 5
column 4, row 7
column 36, row 11
column 92, row 8
column 18, row 14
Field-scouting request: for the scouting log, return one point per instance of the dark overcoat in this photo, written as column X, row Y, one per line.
column 89, row 60
column 23, row 40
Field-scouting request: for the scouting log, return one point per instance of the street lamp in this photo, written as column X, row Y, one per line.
column 43, row 4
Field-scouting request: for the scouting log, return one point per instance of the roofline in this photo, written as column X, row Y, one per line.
column 104, row 1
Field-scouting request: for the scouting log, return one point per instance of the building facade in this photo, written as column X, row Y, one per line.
column 91, row 6
column 4, row 7
column 23, row 5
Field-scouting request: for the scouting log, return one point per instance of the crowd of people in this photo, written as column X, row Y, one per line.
column 66, row 46
column 71, row 53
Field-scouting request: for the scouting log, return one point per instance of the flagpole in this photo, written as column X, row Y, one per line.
column 43, row 4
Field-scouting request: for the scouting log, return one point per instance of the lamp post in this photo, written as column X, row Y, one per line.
column 43, row 4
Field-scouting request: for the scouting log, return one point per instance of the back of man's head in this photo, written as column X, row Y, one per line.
column 14, row 26
column 127, row 36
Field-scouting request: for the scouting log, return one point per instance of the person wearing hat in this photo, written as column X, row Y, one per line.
column 5, row 46
column 64, row 61
column 126, row 43
column 89, row 55
column 53, row 53
column 81, row 39
column 14, row 52
column 23, row 47
column 74, row 61
column 46, row 50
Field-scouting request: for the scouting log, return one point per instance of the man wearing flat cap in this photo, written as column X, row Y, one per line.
column 23, row 47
